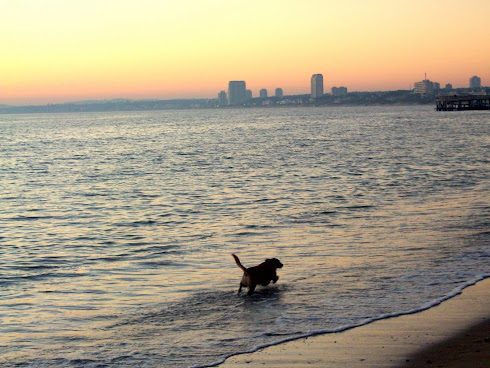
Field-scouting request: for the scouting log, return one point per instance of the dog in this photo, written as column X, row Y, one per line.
column 262, row 274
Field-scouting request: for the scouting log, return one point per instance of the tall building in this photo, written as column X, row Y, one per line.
column 475, row 82
column 222, row 99
column 339, row 91
column 279, row 93
column 248, row 93
column 449, row 87
column 316, row 86
column 237, row 92
column 423, row 88
column 263, row 93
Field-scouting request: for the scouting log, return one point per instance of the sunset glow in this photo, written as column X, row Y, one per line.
column 55, row 51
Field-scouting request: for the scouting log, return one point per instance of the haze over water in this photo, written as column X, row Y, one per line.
column 116, row 228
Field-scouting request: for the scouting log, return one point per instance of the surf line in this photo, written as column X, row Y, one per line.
column 456, row 291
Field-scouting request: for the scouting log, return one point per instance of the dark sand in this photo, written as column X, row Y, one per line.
column 470, row 348
column 453, row 334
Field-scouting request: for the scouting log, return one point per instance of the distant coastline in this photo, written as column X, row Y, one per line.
column 400, row 97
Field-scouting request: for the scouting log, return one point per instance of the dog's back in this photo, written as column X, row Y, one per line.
column 263, row 274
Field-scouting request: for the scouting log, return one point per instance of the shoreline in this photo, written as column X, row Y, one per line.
column 97, row 107
column 427, row 336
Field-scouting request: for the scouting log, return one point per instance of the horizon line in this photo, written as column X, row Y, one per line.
column 95, row 100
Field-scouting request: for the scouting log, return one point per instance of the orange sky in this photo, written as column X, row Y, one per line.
column 61, row 50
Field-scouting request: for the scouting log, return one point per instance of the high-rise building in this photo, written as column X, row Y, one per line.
column 279, row 93
column 237, row 92
column 339, row 91
column 316, row 86
column 449, row 87
column 263, row 93
column 248, row 93
column 423, row 88
column 475, row 82
column 222, row 99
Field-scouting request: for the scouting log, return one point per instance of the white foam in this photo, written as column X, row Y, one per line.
column 456, row 291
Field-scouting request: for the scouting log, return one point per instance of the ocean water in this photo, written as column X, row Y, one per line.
column 116, row 229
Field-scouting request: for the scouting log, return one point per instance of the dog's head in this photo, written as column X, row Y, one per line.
column 274, row 262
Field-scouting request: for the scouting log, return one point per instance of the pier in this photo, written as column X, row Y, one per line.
column 463, row 102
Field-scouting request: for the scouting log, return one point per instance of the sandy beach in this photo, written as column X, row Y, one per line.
column 453, row 334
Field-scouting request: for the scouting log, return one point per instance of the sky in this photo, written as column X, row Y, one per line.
column 54, row 51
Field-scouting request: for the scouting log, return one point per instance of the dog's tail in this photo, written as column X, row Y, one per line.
column 238, row 263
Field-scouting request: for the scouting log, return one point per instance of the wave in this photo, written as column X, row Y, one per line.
column 456, row 291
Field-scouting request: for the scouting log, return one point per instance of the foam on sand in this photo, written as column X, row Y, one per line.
column 333, row 333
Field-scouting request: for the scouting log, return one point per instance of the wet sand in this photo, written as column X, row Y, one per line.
column 453, row 334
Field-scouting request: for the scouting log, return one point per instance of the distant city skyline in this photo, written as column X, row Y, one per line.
column 240, row 95
column 427, row 87
column 54, row 51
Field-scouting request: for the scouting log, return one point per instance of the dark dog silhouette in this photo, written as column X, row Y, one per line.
column 262, row 274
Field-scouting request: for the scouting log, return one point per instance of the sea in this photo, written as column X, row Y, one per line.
column 117, row 228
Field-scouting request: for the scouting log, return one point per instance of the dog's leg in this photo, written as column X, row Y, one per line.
column 240, row 288
column 274, row 280
column 251, row 289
